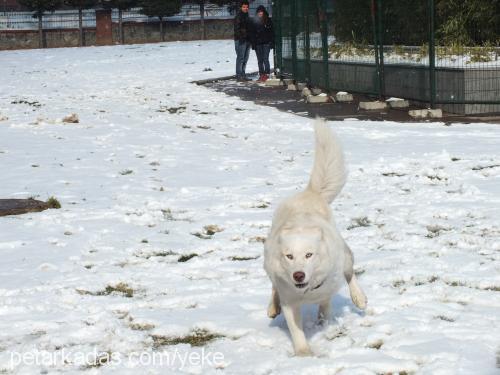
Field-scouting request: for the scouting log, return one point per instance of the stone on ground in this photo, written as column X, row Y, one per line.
column 274, row 82
column 435, row 113
column 398, row 103
column 372, row 106
column 426, row 113
column 343, row 97
column 301, row 86
column 418, row 113
column 318, row 98
column 306, row 92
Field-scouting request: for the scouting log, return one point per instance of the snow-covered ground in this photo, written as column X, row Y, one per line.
column 155, row 159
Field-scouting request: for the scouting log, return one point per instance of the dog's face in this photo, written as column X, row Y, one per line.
column 300, row 255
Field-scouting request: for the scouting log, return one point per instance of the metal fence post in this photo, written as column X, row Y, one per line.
column 278, row 51
column 324, row 40
column 432, row 55
column 380, row 28
column 294, row 37
column 307, row 41
column 375, row 45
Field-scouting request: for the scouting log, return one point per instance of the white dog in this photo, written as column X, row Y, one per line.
column 305, row 256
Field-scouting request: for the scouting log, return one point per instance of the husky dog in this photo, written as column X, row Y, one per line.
column 305, row 256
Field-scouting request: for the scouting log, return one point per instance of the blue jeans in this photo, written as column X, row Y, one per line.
column 242, row 53
column 262, row 51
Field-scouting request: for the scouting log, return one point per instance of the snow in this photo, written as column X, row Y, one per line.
column 155, row 159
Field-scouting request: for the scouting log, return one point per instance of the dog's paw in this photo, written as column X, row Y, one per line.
column 357, row 295
column 303, row 352
column 273, row 311
column 323, row 322
column 359, row 299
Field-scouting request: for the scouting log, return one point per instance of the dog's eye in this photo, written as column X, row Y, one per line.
column 289, row 256
column 308, row 255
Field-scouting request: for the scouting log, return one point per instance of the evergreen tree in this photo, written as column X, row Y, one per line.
column 39, row 7
column 122, row 5
column 160, row 9
column 80, row 5
column 202, row 12
column 468, row 22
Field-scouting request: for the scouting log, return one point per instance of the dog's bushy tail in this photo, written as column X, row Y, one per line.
column 328, row 174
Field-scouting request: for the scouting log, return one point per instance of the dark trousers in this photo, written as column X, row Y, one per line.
column 262, row 51
column 242, row 53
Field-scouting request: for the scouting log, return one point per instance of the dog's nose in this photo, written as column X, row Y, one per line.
column 299, row 276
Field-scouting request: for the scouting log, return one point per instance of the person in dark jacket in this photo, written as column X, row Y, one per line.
column 242, row 45
column 263, row 41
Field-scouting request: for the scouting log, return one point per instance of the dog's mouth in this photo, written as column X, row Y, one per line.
column 301, row 286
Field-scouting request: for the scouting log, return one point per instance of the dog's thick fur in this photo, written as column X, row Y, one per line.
column 305, row 256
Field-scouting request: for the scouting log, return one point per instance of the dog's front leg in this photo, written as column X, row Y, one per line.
column 294, row 320
column 357, row 295
column 325, row 311
column 274, row 308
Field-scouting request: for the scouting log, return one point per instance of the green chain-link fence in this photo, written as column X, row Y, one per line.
column 442, row 52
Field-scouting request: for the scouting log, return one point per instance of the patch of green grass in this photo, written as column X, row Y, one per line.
column 445, row 318
column 398, row 283
column 435, row 231
column 429, row 280
column 120, row 288
column 186, row 257
column 433, row 279
column 456, row 283
column 493, row 288
column 52, row 202
column 257, row 239
column 393, row 174
column 156, row 254
column 141, row 326
column 210, row 230
column 202, row 236
column 359, row 222
column 359, row 272
column 238, row 258
column 100, row 360
column 198, row 337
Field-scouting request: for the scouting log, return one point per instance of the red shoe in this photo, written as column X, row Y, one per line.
column 261, row 78
column 265, row 77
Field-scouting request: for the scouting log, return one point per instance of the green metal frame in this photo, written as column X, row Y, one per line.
column 432, row 55
column 305, row 68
